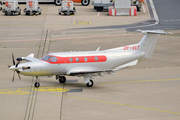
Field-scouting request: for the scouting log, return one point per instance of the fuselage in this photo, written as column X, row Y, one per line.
column 61, row 62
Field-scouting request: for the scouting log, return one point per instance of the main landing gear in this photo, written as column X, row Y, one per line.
column 88, row 81
column 62, row 79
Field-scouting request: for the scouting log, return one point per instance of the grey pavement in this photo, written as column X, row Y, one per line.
column 149, row 90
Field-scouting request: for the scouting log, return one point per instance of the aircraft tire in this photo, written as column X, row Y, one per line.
column 62, row 79
column 90, row 84
column 36, row 84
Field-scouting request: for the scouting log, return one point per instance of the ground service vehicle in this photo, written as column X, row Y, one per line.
column 11, row 7
column 32, row 7
column 0, row 5
column 67, row 8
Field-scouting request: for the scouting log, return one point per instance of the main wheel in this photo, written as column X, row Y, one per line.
column 85, row 2
column 62, row 79
column 90, row 84
column 36, row 84
column 58, row 2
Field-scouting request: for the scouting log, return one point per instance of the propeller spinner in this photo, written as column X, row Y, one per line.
column 14, row 68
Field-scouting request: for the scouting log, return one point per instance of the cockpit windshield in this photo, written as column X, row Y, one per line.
column 46, row 57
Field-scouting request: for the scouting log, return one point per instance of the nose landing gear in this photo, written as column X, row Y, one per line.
column 37, row 84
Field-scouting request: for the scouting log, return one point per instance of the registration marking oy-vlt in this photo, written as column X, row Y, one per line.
column 82, row 22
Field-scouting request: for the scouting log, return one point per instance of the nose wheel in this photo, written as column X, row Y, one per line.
column 37, row 84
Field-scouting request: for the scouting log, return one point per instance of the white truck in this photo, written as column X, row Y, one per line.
column 67, row 8
column 100, row 5
column 32, row 7
column 11, row 7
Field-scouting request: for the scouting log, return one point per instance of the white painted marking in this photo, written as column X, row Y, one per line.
column 98, row 14
column 13, row 37
column 24, row 34
column 154, row 12
column 144, row 8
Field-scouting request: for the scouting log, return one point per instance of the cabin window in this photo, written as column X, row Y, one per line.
column 85, row 59
column 96, row 58
column 53, row 59
column 46, row 58
column 77, row 59
column 70, row 59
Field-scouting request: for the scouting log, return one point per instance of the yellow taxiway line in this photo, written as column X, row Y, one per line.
column 118, row 104
column 140, row 81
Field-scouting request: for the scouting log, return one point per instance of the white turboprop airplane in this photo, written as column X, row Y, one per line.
column 87, row 64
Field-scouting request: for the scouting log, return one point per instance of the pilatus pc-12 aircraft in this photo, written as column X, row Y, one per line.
column 87, row 64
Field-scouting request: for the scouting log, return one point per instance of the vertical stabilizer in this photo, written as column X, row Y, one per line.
column 148, row 42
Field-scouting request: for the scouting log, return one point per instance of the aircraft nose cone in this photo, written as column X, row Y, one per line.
column 12, row 68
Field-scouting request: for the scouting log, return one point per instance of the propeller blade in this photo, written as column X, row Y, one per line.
column 9, row 66
column 13, row 76
column 17, row 63
column 13, row 60
column 18, row 76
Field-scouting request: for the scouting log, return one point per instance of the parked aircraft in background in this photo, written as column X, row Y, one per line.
column 87, row 64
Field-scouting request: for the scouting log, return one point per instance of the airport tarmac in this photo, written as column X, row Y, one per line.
column 149, row 90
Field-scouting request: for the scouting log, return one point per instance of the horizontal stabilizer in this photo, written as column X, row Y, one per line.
column 152, row 32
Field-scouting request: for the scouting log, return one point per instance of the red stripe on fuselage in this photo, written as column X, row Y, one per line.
column 66, row 60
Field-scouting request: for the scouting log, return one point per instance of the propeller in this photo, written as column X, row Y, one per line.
column 16, row 65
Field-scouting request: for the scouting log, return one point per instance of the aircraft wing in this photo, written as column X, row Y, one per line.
column 86, row 70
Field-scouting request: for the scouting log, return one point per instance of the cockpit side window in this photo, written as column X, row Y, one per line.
column 46, row 58
column 53, row 59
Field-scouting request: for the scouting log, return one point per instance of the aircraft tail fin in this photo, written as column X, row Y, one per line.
column 148, row 42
